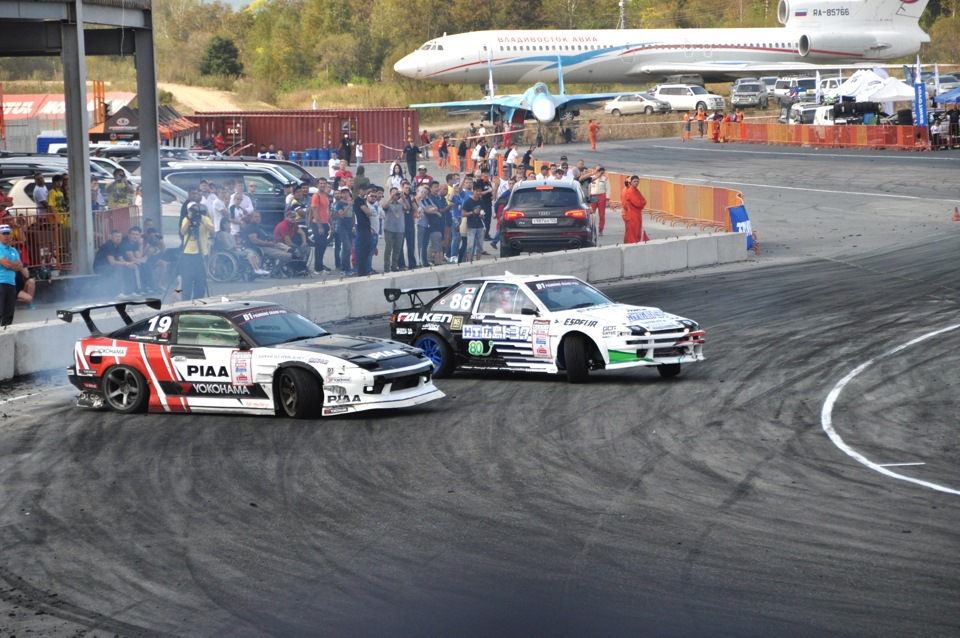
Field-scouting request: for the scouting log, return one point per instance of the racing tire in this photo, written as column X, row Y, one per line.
column 439, row 352
column 506, row 251
column 125, row 390
column 222, row 267
column 648, row 110
column 701, row 105
column 668, row 370
column 576, row 356
column 299, row 396
column 616, row 113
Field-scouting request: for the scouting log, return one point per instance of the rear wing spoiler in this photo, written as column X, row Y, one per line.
column 120, row 306
column 413, row 294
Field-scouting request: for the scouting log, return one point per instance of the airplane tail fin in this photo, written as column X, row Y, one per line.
column 560, row 72
column 800, row 13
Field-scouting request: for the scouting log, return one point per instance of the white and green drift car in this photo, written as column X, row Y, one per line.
column 540, row 323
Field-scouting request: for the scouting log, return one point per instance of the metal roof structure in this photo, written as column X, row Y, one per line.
column 119, row 28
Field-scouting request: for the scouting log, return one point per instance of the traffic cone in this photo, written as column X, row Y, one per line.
column 956, row 214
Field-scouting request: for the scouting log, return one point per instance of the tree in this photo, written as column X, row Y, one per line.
column 221, row 57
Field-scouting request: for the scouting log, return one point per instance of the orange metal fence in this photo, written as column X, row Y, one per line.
column 844, row 136
column 42, row 240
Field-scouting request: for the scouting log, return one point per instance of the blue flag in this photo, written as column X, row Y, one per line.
column 741, row 223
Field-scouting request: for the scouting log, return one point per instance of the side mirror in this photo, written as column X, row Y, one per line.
column 243, row 345
column 530, row 311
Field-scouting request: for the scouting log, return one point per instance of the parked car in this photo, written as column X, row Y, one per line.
column 830, row 88
column 269, row 197
column 292, row 168
column 749, row 94
column 770, row 83
column 947, row 84
column 686, row 97
column 241, row 358
column 791, row 89
column 546, row 215
column 540, row 323
column 635, row 103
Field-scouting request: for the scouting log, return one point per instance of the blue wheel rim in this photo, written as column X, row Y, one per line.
column 432, row 349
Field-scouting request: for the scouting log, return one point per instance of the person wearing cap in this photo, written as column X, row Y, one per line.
column 421, row 178
column 600, row 188
column 289, row 234
column 10, row 265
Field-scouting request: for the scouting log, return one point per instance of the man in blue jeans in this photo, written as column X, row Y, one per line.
column 346, row 231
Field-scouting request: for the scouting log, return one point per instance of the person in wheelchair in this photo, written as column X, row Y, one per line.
column 289, row 233
column 255, row 236
column 224, row 241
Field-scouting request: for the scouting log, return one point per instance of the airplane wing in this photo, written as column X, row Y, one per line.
column 576, row 99
column 503, row 101
column 718, row 71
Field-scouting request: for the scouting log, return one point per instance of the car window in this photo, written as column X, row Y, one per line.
column 749, row 88
column 545, row 197
column 504, row 299
column 460, row 299
column 698, row 90
column 270, row 325
column 206, row 330
column 807, row 84
column 567, row 294
column 155, row 329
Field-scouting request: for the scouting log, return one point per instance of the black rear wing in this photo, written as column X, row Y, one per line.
column 413, row 294
column 120, row 306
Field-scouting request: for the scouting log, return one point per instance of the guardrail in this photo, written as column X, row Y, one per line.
column 42, row 240
column 910, row 138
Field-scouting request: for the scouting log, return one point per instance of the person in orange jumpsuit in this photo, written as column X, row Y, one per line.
column 686, row 124
column 593, row 128
column 633, row 205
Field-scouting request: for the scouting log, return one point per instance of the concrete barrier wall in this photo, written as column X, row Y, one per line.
column 40, row 346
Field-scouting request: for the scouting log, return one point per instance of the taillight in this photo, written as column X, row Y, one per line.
column 393, row 319
column 510, row 215
column 579, row 213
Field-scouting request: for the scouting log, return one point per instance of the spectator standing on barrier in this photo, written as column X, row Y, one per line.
column 195, row 230
column 97, row 202
column 593, row 128
column 120, row 192
column 320, row 215
column 633, row 205
column 111, row 264
column 600, row 187
column 701, row 119
column 10, row 265
column 410, row 154
column 393, row 227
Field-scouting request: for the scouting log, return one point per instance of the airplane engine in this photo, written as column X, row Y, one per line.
column 832, row 43
column 544, row 109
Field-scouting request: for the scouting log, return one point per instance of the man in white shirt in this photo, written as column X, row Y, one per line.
column 511, row 160
column 40, row 193
column 332, row 166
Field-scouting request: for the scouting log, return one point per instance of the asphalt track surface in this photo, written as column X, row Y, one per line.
column 764, row 492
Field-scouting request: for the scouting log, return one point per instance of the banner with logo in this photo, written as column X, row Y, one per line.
column 740, row 223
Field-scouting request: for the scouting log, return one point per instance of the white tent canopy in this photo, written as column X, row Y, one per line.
column 861, row 81
column 890, row 90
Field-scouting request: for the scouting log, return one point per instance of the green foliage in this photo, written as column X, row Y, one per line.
column 221, row 57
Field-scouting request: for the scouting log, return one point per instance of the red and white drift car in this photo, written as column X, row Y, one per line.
column 248, row 357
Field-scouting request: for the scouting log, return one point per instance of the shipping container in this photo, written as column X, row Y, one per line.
column 384, row 132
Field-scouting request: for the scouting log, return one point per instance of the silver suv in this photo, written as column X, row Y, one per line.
column 749, row 94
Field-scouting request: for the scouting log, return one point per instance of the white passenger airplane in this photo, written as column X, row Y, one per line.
column 816, row 34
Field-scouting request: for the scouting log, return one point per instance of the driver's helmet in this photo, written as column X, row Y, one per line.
column 507, row 296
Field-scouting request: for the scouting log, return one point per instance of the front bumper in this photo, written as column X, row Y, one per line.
column 659, row 348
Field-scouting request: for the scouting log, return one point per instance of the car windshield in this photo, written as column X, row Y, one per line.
column 699, row 90
column 270, row 325
column 545, row 197
column 948, row 78
column 567, row 294
column 809, row 83
column 749, row 88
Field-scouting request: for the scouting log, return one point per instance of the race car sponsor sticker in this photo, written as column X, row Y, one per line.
column 404, row 331
column 431, row 317
column 240, row 373
column 457, row 322
column 586, row 323
column 106, row 351
column 609, row 331
column 334, row 410
column 477, row 349
column 644, row 314
column 260, row 313
column 541, row 338
column 554, row 283
column 511, row 333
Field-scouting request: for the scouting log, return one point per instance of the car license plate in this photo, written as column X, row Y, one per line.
column 543, row 220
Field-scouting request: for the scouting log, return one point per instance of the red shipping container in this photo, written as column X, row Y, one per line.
column 384, row 132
